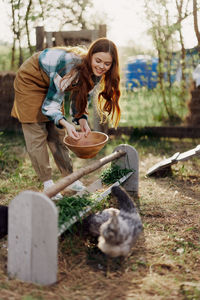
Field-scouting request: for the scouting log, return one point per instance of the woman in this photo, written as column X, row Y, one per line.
column 40, row 86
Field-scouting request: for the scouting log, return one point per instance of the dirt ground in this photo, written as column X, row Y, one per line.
column 164, row 263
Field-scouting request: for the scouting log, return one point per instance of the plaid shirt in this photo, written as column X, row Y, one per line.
column 56, row 63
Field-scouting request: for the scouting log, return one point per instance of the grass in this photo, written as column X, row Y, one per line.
column 164, row 264
column 5, row 57
column 146, row 108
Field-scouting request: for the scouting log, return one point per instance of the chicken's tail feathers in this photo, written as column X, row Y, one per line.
column 124, row 200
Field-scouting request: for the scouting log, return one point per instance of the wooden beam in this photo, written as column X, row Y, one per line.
column 77, row 34
column 64, row 182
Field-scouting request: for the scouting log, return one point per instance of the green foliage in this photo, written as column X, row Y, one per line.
column 113, row 174
column 5, row 57
column 72, row 206
column 145, row 107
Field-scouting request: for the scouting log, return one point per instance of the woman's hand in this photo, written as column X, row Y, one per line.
column 84, row 126
column 71, row 130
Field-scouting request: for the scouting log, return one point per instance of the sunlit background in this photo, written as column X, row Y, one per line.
column 126, row 22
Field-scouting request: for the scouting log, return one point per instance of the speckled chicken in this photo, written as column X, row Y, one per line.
column 117, row 229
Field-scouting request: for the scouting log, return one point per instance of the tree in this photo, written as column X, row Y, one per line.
column 165, row 22
column 162, row 32
column 27, row 17
column 181, row 16
column 195, row 17
column 16, row 9
column 58, row 14
column 26, row 14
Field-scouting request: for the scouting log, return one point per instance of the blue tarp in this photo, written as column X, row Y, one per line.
column 141, row 71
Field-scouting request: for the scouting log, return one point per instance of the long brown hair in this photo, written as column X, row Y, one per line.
column 108, row 97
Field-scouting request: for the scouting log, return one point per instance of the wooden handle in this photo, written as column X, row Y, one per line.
column 65, row 181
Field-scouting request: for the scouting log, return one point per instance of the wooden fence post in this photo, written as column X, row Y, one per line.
column 129, row 161
column 102, row 30
column 39, row 38
column 49, row 41
column 32, row 238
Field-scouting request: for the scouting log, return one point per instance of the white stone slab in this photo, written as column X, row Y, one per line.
column 129, row 161
column 174, row 159
column 189, row 154
column 163, row 164
column 32, row 238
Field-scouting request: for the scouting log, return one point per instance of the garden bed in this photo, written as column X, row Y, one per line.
column 165, row 262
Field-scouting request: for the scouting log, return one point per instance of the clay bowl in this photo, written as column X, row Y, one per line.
column 87, row 147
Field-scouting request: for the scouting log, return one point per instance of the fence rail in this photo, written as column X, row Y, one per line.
column 160, row 131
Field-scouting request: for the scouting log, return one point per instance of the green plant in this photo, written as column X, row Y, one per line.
column 113, row 174
column 72, row 206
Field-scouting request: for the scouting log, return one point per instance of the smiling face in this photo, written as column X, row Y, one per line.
column 101, row 63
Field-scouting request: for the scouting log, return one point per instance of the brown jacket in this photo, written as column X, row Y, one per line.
column 31, row 85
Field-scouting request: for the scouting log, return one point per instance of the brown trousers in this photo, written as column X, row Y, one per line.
column 37, row 137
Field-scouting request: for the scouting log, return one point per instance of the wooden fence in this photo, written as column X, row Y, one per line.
column 159, row 131
column 46, row 39
column 7, row 123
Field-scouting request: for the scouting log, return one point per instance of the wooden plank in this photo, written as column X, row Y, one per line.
column 77, row 34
